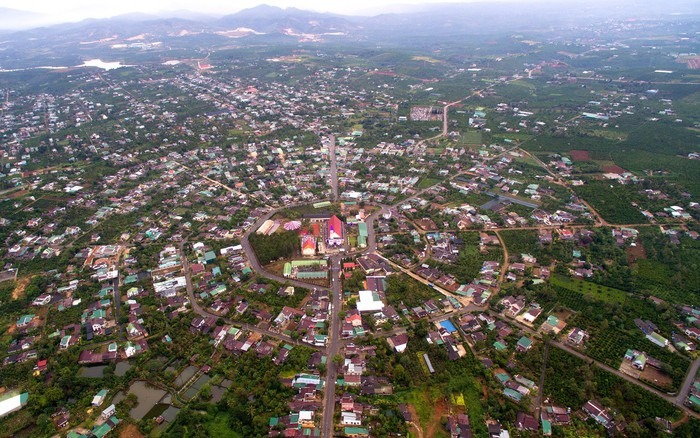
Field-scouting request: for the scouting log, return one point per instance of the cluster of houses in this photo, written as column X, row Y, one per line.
column 516, row 387
column 651, row 332
column 309, row 323
column 303, row 408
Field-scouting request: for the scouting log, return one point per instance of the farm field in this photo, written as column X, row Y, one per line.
column 612, row 201
column 595, row 291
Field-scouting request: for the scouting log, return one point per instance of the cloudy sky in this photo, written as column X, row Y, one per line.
column 79, row 9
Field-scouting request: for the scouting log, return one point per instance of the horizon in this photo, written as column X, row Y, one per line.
column 77, row 10
column 44, row 12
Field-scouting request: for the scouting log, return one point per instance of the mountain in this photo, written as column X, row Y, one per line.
column 271, row 19
column 13, row 19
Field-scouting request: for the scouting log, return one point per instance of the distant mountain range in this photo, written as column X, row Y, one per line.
column 271, row 19
column 13, row 19
column 69, row 42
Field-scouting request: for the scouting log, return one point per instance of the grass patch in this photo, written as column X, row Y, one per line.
column 424, row 366
column 220, row 427
column 471, row 137
column 458, row 399
column 592, row 290
column 607, row 134
column 288, row 374
column 424, row 183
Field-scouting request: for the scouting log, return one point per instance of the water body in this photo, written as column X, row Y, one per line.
column 217, row 393
column 196, row 386
column 148, row 398
column 89, row 63
column 122, row 368
column 96, row 372
column 103, row 65
column 185, row 375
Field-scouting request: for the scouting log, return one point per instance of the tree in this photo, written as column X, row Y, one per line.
column 205, row 392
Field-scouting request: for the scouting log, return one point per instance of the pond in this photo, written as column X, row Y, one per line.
column 96, row 372
column 184, row 376
column 118, row 397
column 196, row 386
column 122, row 368
column 148, row 398
column 217, row 393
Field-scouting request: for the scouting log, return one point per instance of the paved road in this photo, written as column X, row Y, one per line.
column 506, row 256
column 689, row 379
column 117, row 308
column 540, row 388
column 334, row 168
column 332, row 348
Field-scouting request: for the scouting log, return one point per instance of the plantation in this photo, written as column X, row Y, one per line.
column 592, row 290
column 571, row 382
column 612, row 201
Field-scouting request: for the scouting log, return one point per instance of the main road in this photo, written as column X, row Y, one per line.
column 334, row 167
column 332, row 348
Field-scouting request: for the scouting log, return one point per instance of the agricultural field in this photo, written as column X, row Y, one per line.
column 470, row 137
column 570, row 381
column 592, row 290
column 612, row 201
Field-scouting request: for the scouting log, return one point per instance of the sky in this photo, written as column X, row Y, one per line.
column 79, row 9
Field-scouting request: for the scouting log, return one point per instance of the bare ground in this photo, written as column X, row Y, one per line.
column 130, row 431
column 20, row 287
column 635, row 253
column 441, row 409
column 415, row 424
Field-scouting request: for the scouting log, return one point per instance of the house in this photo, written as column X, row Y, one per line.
column 135, row 348
column 24, row 320
column 638, row 359
column 356, row 432
column 369, row 301
column 42, row 300
column 532, row 314
column 68, row 341
column 599, row 414
column 496, row 430
column 350, row 419
column 577, row 336
column 513, row 394
column 459, row 426
column 111, row 410
column 647, row 327
column 12, row 402
column 40, row 367
column 398, row 342
column 99, row 398
column 524, row 344
column 525, row 421
column 61, row 419
column 658, row 339
column 555, row 415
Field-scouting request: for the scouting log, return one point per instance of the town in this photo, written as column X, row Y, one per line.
column 315, row 240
